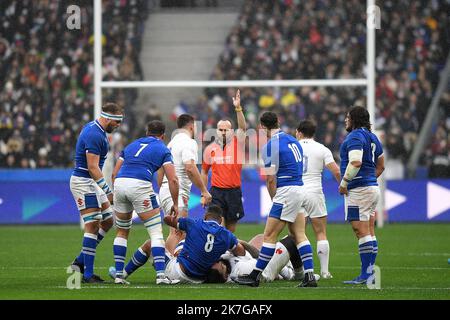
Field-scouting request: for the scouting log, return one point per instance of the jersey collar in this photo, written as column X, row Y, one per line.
column 99, row 125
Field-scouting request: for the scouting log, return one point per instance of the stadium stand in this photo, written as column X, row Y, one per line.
column 298, row 40
column 46, row 71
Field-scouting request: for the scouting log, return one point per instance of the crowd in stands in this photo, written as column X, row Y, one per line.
column 289, row 39
column 47, row 73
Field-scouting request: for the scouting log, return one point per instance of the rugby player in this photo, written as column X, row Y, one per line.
column 133, row 190
column 316, row 157
column 184, row 151
column 92, row 194
column 195, row 259
column 362, row 161
column 283, row 160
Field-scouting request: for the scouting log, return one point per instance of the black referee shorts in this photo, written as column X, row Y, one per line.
column 230, row 200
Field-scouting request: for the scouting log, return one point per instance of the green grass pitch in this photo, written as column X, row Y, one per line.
column 412, row 258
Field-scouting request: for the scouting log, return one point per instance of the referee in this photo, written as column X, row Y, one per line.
column 224, row 157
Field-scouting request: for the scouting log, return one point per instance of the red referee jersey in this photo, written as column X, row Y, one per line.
column 226, row 163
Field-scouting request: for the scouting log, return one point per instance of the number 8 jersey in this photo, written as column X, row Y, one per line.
column 366, row 141
column 206, row 241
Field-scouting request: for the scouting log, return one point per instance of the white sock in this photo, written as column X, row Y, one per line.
column 323, row 252
column 278, row 261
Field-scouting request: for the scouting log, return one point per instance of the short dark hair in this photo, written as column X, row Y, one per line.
column 184, row 120
column 215, row 212
column 269, row 120
column 360, row 117
column 214, row 276
column 156, row 128
column 307, row 127
column 113, row 108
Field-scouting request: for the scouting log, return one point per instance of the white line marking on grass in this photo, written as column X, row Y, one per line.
column 411, row 254
column 202, row 287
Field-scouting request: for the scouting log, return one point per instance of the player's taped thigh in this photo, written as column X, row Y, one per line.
column 154, row 229
column 91, row 217
column 124, row 223
column 107, row 213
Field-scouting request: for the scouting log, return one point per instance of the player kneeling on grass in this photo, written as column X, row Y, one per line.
column 133, row 190
column 195, row 259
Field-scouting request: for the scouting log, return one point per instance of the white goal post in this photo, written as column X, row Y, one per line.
column 368, row 82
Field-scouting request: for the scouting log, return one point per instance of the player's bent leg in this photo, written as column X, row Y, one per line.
column 139, row 258
column 153, row 224
column 323, row 246
column 279, row 260
column 123, row 224
column 175, row 236
column 273, row 228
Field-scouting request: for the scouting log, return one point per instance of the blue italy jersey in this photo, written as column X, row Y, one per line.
column 92, row 139
column 205, row 242
column 285, row 153
column 362, row 139
column 143, row 157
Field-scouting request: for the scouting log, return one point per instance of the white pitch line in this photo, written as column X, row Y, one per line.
column 362, row 287
column 411, row 254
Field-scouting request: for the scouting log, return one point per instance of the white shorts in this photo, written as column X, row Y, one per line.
column 174, row 272
column 134, row 194
column 361, row 203
column 288, row 202
column 87, row 193
column 315, row 206
column 166, row 199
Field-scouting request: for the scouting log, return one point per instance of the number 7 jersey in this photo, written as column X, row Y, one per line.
column 362, row 139
column 143, row 157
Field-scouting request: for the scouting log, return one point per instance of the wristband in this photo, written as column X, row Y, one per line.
column 103, row 185
column 238, row 109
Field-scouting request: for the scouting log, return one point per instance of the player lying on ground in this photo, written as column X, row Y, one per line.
column 133, row 190
column 284, row 265
column 195, row 259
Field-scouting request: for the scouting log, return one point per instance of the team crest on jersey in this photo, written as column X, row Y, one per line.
column 80, row 201
column 279, row 251
column 146, row 203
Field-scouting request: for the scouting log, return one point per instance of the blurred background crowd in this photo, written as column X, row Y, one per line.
column 46, row 72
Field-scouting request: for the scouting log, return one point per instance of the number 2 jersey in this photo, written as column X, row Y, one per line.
column 143, row 157
column 366, row 141
column 205, row 242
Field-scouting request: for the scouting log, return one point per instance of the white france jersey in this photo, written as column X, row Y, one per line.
column 315, row 157
column 183, row 149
